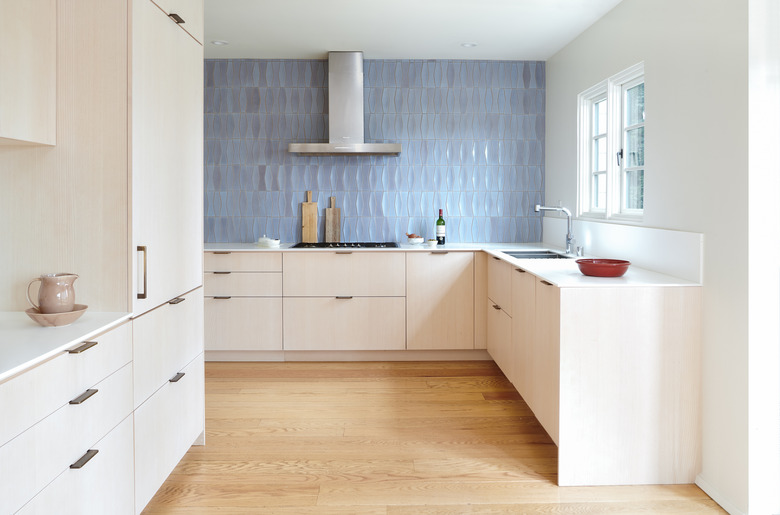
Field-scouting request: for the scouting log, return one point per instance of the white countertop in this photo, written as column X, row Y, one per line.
column 563, row 273
column 24, row 344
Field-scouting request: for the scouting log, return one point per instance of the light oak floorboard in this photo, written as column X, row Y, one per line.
column 384, row 438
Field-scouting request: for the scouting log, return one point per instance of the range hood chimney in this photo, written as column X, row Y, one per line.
column 345, row 112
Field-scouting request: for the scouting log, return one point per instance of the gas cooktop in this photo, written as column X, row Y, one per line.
column 346, row 245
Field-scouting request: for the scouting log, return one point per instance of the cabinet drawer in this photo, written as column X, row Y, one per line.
column 40, row 391
column 243, row 284
column 166, row 426
column 359, row 323
column 37, row 456
column 103, row 485
column 500, row 283
column 369, row 274
column 499, row 339
column 243, row 262
column 164, row 341
column 243, row 323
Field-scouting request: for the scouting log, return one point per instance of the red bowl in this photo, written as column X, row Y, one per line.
column 603, row 267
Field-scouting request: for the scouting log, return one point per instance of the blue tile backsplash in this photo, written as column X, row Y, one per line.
column 472, row 134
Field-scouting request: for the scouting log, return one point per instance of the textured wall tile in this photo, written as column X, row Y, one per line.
column 472, row 135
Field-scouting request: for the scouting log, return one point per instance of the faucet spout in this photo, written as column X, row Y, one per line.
column 569, row 233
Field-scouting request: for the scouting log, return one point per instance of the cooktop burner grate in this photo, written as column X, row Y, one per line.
column 346, row 245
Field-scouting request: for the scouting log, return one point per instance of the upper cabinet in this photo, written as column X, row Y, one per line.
column 28, row 72
column 187, row 13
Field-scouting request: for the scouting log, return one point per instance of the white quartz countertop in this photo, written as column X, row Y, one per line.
column 24, row 344
column 563, row 273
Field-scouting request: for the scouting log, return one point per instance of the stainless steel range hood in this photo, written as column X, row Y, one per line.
column 345, row 112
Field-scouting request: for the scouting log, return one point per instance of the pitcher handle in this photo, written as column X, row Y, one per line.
column 33, row 304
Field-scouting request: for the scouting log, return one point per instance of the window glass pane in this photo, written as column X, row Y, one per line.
column 600, row 117
column 600, row 154
column 599, row 189
column 635, row 105
column 635, row 147
column 635, row 189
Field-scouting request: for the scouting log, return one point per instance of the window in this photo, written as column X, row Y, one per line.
column 611, row 147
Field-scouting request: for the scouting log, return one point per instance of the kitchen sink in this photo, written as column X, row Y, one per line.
column 535, row 254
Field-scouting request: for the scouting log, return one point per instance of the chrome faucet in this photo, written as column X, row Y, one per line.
column 569, row 234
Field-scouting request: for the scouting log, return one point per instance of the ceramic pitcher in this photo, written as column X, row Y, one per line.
column 56, row 294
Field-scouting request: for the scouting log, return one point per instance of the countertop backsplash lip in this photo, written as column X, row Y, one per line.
column 472, row 133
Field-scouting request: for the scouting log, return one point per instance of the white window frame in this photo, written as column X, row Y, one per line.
column 613, row 89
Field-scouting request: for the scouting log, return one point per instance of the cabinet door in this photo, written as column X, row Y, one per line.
column 360, row 273
column 190, row 11
column 523, row 320
column 545, row 357
column 167, row 158
column 28, row 72
column 244, row 323
column 164, row 340
column 166, row 425
column 499, row 330
column 358, row 323
column 500, row 283
column 102, row 485
column 439, row 300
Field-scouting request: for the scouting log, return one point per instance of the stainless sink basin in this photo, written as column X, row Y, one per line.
column 535, row 254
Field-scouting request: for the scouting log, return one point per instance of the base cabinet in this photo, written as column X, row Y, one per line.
column 499, row 338
column 243, row 323
column 166, row 425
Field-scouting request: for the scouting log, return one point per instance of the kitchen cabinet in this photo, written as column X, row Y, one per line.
column 187, row 13
column 91, row 392
column 523, row 324
column 499, row 315
column 344, row 273
column 545, row 356
column 439, row 300
column 28, row 72
column 243, row 306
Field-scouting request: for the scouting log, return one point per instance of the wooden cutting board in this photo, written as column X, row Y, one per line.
column 308, row 220
column 332, row 222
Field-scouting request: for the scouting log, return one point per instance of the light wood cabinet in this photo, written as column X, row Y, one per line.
column 499, row 338
column 28, row 72
column 439, row 300
column 243, row 323
column 499, row 286
column 344, row 273
column 523, row 324
column 190, row 12
column 545, row 357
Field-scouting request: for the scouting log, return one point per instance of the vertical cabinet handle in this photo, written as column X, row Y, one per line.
column 81, row 348
column 142, row 248
column 176, row 378
column 84, row 459
column 84, row 396
column 175, row 17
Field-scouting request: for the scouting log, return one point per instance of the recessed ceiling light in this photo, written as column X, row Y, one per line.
column 219, row 42
column 468, row 45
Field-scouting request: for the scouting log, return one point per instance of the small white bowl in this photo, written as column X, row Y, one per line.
column 415, row 241
column 432, row 243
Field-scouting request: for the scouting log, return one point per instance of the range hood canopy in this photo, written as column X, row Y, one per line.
column 345, row 112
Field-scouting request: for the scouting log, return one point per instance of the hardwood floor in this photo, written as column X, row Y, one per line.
column 385, row 438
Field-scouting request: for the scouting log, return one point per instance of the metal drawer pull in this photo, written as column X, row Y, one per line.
column 545, row 282
column 345, row 297
column 342, row 252
column 520, row 270
column 496, row 306
column 440, row 252
column 84, row 396
column 84, row 459
column 177, row 300
column 176, row 378
column 497, row 258
column 221, row 298
column 222, row 273
column 176, row 18
column 222, row 252
column 86, row 346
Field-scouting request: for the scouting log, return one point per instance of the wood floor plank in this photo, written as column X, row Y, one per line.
column 383, row 438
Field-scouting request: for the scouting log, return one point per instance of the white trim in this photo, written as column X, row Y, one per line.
column 717, row 497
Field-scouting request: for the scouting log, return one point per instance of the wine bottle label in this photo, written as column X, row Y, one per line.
column 440, row 231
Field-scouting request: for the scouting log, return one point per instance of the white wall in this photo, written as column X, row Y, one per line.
column 696, row 179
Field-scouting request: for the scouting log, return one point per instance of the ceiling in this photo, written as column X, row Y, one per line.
column 397, row 29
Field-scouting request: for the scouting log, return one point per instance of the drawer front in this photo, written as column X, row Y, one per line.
column 243, row 284
column 40, row 391
column 359, row 323
column 164, row 341
column 243, row 262
column 243, row 323
column 102, row 485
column 367, row 274
column 166, row 426
column 37, row 456
column 500, row 283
